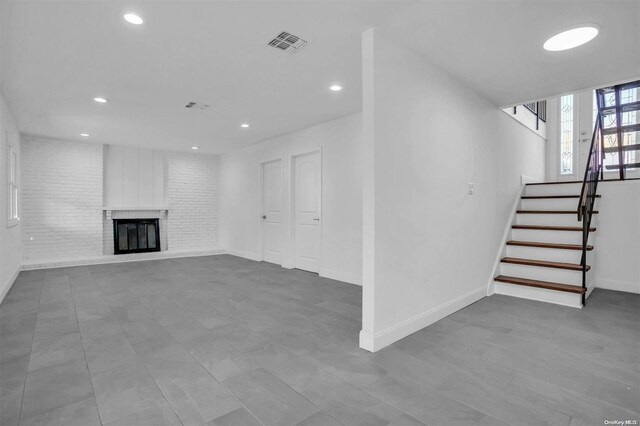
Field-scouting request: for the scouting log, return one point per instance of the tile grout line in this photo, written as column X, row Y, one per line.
column 205, row 369
column 298, row 393
column 158, row 386
column 222, row 384
column 24, row 387
column 84, row 354
column 138, row 359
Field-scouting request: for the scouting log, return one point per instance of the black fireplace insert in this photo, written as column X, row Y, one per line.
column 136, row 235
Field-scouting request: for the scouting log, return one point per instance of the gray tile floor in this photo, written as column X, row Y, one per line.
column 225, row 341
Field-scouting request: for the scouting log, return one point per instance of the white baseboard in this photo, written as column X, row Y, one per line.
column 367, row 341
column 627, row 286
column 123, row 258
column 341, row 276
column 245, row 254
column 399, row 331
column 9, row 284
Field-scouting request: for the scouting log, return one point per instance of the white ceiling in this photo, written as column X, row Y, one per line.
column 58, row 55
column 495, row 47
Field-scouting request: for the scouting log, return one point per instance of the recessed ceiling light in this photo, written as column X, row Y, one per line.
column 195, row 148
column 571, row 38
column 132, row 18
column 245, row 125
column 335, row 88
column 85, row 135
column 100, row 100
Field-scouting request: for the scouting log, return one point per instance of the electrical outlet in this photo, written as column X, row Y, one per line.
column 471, row 188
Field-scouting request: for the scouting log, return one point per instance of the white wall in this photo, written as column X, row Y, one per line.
column 192, row 195
column 431, row 136
column 617, row 242
column 62, row 200
column 10, row 237
column 340, row 142
column 528, row 119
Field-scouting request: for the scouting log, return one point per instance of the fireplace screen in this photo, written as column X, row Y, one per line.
column 136, row 235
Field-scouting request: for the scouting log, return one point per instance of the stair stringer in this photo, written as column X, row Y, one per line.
column 506, row 235
column 591, row 257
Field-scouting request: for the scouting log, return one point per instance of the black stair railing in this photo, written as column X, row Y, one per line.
column 593, row 173
column 539, row 109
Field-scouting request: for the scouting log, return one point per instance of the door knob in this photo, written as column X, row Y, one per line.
column 264, row 216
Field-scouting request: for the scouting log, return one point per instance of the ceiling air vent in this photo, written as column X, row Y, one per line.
column 193, row 105
column 287, row 42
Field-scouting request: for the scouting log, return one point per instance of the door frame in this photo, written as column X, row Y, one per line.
column 261, row 204
column 575, row 175
column 292, row 177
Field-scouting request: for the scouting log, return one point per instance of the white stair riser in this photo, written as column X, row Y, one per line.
column 549, row 204
column 562, row 237
column 558, row 189
column 550, row 296
column 562, row 276
column 539, row 253
column 548, row 219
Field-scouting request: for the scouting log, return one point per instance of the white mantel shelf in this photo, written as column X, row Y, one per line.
column 135, row 208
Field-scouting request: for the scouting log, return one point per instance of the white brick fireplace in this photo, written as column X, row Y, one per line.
column 72, row 191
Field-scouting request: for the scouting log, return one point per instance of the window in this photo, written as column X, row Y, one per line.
column 628, row 117
column 12, row 183
column 566, row 135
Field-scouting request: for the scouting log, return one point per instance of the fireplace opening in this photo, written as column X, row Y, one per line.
column 136, row 235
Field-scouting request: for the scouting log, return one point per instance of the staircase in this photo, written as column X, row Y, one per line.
column 542, row 259
column 549, row 255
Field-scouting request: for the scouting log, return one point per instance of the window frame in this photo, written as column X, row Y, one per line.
column 574, row 145
column 13, row 185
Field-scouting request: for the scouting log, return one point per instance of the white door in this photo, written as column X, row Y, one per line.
column 307, row 187
column 272, row 211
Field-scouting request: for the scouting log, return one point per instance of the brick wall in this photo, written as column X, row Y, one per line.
column 61, row 200
column 192, row 192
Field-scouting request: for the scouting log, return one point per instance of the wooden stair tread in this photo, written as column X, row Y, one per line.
column 541, row 284
column 551, row 228
column 542, row 197
column 551, row 212
column 543, row 263
column 548, row 245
